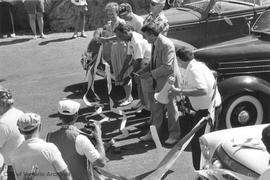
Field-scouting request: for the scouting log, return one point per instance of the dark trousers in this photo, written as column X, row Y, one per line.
column 195, row 144
column 10, row 173
column 6, row 19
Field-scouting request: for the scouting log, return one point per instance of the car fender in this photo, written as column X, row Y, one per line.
column 239, row 84
column 220, row 174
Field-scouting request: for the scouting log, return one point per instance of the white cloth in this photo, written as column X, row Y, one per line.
column 117, row 22
column 10, row 136
column 198, row 75
column 36, row 153
column 136, row 22
column 139, row 48
column 79, row 2
column 85, row 147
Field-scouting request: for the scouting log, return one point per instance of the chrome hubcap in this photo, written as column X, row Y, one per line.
column 243, row 117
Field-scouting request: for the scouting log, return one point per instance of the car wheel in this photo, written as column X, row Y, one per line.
column 241, row 111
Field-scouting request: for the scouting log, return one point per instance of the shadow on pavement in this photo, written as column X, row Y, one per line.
column 140, row 177
column 14, row 41
column 54, row 40
column 130, row 149
column 79, row 89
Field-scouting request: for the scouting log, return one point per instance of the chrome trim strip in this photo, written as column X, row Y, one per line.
column 237, row 73
column 244, row 67
column 243, row 62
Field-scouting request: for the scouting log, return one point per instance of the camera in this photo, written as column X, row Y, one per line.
column 89, row 131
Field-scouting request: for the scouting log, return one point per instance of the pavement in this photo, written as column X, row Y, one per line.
column 43, row 71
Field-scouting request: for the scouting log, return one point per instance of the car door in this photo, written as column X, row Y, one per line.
column 229, row 19
column 192, row 33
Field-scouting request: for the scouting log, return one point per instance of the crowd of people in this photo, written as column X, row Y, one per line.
column 67, row 153
column 35, row 10
column 139, row 52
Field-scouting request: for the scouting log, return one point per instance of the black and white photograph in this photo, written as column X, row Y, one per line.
column 134, row 89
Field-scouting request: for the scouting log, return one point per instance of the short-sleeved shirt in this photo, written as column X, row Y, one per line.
column 136, row 22
column 198, row 75
column 10, row 136
column 160, row 21
column 85, row 147
column 36, row 155
column 138, row 47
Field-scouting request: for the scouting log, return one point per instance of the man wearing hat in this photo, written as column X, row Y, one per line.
column 157, row 17
column 133, row 20
column 35, row 158
column 10, row 137
column 75, row 147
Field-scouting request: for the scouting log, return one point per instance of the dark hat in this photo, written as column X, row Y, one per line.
column 124, row 9
column 6, row 96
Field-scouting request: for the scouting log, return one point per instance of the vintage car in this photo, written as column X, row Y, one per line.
column 234, row 154
column 243, row 68
column 206, row 22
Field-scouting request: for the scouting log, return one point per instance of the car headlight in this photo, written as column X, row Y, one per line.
column 217, row 164
column 205, row 149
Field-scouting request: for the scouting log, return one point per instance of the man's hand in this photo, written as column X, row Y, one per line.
column 146, row 75
column 102, row 40
column 136, row 77
column 97, row 130
column 120, row 76
column 173, row 92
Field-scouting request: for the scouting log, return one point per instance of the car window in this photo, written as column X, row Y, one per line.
column 196, row 5
column 263, row 23
column 224, row 6
column 264, row 2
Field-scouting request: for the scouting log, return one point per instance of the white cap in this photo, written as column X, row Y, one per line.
column 68, row 107
column 1, row 157
column 28, row 121
column 158, row 1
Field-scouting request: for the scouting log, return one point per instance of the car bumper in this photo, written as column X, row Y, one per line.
column 219, row 174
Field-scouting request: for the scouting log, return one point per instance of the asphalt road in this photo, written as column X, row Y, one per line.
column 41, row 72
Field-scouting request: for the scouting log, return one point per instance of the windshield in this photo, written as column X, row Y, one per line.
column 263, row 23
column 196, row 5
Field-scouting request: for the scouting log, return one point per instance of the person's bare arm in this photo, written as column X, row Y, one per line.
column 100, row 162
column 187, row 92
column 59, row 164
column 65, row 175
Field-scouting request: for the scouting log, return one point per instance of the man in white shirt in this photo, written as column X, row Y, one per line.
column 77, row 150
column 198, row 83
column 133, row 20
column 138, row 56
column 10, row 137
column 35, row 158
